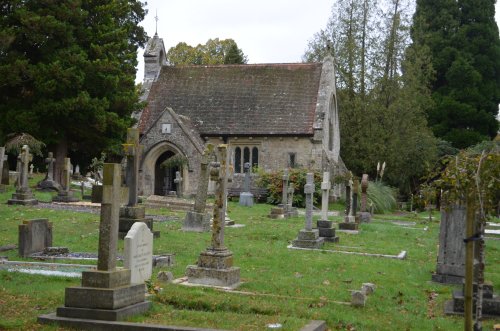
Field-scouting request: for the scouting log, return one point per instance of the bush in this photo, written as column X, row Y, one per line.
column 382, row 197
column 297, row 177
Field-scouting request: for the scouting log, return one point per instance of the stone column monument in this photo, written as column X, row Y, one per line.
column 308, row 237
column 349, row 219
column 325, row 227
column 364, row 215
column 65, row 194
column 106, row 293
column 48, row 183
column 281, row 210
column 3, row 158
column 132, row 212
column 246, row 197
column 215, row 264
column 198, row 220
column 23, row 195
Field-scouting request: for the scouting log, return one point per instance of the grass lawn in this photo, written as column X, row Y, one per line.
column 283, row 286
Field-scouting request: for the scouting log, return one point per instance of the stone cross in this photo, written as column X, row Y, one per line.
column 218, row 175
column 66, row 174
column 309, row 191
column 355, row 194
column 3, row 157
column 285, row 187
column 246, row 186
column 178, row 183
column 50, row 166
column 325, row 190
column 31, row 169
column 25, row 157
column 348, row 195
column 110, row 208
column 18, row 170
column 133, row 151
column 200, row 202
column 291, row 191
column 364, row 189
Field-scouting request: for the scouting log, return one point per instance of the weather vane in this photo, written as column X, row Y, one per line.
column 156, row 19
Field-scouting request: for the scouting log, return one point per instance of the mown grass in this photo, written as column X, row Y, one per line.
column 283, row 286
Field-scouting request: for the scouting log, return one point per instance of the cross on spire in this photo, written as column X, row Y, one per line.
column 156, row 19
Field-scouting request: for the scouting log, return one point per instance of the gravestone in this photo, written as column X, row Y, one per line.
column 178, row 184
column 308, row 237
column 138, row 253
column 291, row 211
column 246, row 197
column 31, row 171
column 106, row 293
column 34, row 236
column 3, row 159
column 48, row 183
column 349, row 219
column 132, row 212
column 198, row 220
column 364, row 215
column 325, row 226
column 23, row 195
column 76, row 173
column 281, row 210
column 65, row 194
column 215, row 265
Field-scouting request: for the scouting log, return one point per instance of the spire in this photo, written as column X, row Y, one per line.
column 156, row 19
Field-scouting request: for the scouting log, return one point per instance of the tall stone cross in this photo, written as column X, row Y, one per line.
column 50, row 166
column 364, row 194
column 25, row 159
column 285, row 187
column 133, row 152
column 325, row 190
column 348, row 195
column 110, row 209
column 309, row 191
column 66, row 174
column 218, row 175
column 246, row 184
column 178, row 183
column 200, row 202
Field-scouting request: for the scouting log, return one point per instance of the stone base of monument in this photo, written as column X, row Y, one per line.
column 277, row 213
column 104, row 295
column 363, row 217
column 246, row 199
column 196, row 222
column 351, row 226
column 48, row 185
column 3, row 188
column 65, row 197
column 214, row 268
column 130, row 215
column 22, row 198
column 291, row 211
column 308, row 239
column 447, row 279
column 327, row 232
column 491, row 302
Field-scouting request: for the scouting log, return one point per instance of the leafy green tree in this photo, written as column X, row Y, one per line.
column 214, row 51
column 465, row 47
column 67, row 71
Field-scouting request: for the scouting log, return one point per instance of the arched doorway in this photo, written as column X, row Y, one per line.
column 164, row 177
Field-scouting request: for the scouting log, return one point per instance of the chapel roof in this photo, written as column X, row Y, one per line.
column 249, row 99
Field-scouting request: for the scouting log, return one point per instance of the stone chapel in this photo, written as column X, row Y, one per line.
column 270, row 115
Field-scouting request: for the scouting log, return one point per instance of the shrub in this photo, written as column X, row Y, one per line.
column 297, row 177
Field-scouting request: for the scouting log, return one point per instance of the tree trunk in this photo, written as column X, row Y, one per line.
column 61, row 153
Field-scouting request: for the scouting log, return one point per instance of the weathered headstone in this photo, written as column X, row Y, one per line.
column 246, row 197
column 138, row 253
column 291, row 211
column 65, row 194
column 308, row 237
column 215, row 265
column 23, row 195
column 3, row 158
column 132, row 212
column 349, row 219
column 358, row 299
column 106, row 293
column 48, row 183
column 325, row 226
column 281, row 210
column 364, row 216
column 198, row 220
column 31, row 171
column 76, row 172
column 34, row 236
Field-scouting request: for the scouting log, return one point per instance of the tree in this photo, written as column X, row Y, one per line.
column 214, row 51
column 464, row 43
column 67, row 71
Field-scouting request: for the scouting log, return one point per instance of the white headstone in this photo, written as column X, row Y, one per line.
column 139, row 252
